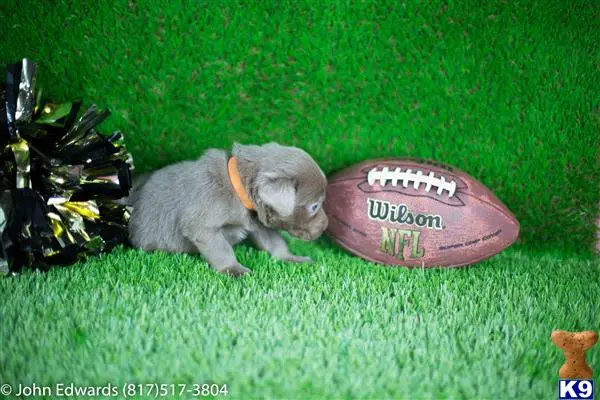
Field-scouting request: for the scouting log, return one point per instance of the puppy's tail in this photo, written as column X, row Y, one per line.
column 138, row 182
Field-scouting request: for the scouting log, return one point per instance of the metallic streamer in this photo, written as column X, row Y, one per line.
column 13, row 78
column 87, row 209
column 4, row 210
column 60, row 179
column 74, row 221
column 25, row 101
column 20, row 151
column 91, row 118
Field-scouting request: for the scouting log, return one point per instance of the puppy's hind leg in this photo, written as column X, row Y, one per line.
column 213, row 246
column 270, row 241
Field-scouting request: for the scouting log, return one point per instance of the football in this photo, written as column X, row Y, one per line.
column 416, row 213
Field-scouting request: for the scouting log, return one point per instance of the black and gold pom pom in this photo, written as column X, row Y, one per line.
column 59, row 179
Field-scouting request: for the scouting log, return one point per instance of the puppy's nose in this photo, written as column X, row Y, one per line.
column 320, row 228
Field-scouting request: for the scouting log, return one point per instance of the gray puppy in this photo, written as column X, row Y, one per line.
column 208, row 205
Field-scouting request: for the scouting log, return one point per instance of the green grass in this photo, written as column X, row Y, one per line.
column 507, row 91
column 337, row 329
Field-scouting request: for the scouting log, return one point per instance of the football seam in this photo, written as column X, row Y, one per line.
column 427, row 195
column 408, row 177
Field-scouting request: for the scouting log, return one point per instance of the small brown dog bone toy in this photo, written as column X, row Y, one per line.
column 574, row 346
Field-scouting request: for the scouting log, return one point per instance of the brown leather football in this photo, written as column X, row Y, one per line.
column 416, row 213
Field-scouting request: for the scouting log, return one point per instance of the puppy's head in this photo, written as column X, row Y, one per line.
column 287, row 188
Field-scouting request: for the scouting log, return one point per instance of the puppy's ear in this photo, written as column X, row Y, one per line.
column 279, row 194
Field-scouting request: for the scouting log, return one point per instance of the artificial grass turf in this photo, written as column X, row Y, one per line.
column 340, row 328
column 505, row 91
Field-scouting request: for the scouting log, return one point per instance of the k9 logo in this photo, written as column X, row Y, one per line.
column 575, row 389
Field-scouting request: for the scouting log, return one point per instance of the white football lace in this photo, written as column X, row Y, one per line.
column 406, row 177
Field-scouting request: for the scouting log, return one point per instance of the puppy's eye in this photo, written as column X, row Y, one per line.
column 313, row 208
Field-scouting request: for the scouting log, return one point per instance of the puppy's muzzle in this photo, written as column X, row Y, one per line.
column 312, row 233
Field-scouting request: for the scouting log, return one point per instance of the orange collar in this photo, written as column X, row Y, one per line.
column 238, row 186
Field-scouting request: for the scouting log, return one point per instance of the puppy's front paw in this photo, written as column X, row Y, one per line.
column 234, row 270
column 297, row 259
